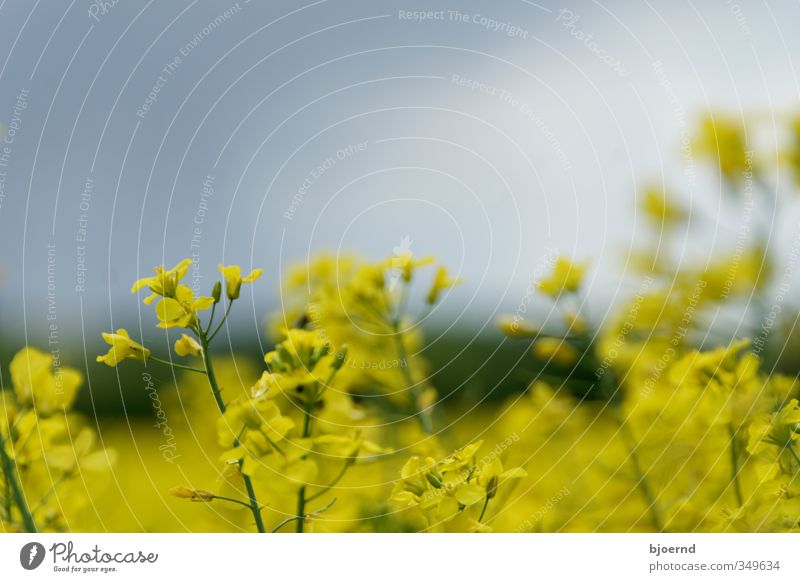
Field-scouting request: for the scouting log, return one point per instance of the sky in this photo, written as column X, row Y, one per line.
column 491, row 135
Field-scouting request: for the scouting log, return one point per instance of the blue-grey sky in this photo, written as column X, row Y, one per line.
column 486, row 133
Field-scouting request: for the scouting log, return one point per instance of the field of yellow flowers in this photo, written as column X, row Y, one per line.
column 678, row 413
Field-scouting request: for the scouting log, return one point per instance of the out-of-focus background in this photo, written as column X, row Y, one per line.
column 490, row 135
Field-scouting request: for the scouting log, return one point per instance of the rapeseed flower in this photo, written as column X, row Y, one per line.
column 233, row 279
column 122, row 348
column 165, row 282
column 565, row 277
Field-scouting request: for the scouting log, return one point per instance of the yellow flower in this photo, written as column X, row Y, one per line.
column 721, row 368
column 491, row 475
column 660, row 209
column 566, row 277
column 779, row 429
column 404, row 263
column 187, row 346
column 185, row 492
column 349, row 446
column 450, row 487
column 723, row 140
column 516, row 327
column 122, row 348
column 77, row 456
column 300, row 357
column 441, row 282
column 181, row 311
column 557, row 350
column 165, row 282
column 42, row 383
column 234, row 279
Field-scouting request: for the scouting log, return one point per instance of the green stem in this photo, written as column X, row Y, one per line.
column 16, row 488
column 794, row 454
column 7, row 497
column 211, row 317
column 483, row 511
column 333, row 483
column 610, row 390
column 297, row 517
column 734, row 450
column 212, row 378
column 174, row 365
column 301, row 494
column 255, row 508
column 423, row 415
column 232, row 500
column 641, row 481
column 222, row 321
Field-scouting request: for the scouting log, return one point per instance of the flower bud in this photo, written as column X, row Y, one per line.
column 434, row 480
column 217, row 292
column 516, row 327
column 556, row 350
column 185, row 492
column 491, row 487
column 340, row 359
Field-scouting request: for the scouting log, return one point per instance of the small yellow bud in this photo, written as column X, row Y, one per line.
column 557, row 350
column 185, row 492
column 566, row 277
column 515, row 327
column 340, row 359
column 441, row 281
column 575, row 323
column 233, row 279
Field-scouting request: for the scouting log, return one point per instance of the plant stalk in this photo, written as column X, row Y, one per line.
column 16, row 488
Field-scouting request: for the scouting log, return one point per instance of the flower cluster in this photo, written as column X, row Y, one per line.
column 46, row 451
column 177, row 307
column 363, row 305
column 458, row 487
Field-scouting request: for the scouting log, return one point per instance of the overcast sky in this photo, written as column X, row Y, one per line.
column 484, row 133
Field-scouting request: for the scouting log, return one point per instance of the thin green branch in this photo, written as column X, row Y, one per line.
column 255, row 508
column 483, row 511
column 232, row 500
column 734, row 451
column 222, row 321
column 423, row 415
column 303, row 517
column 332, row 484
column 16, row 488
column 301, row 493
column 176, row 365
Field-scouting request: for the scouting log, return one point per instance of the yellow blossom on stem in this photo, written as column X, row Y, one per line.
column 404, row 263
column 516, row 327
column 723, row 140
column 181, row 311
column 188, row 346
column 441, row 281
column 39, row 383
column 233, row 279
column 557, row 350
column 165, row 282
column 660, row 209
column 566, row 277
column 122, row 348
